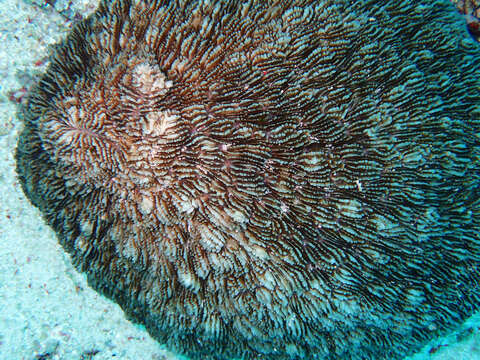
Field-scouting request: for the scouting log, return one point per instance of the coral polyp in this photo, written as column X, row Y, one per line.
column 266, row 179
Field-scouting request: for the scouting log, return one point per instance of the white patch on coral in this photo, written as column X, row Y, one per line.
column 159, row 122
column 146, row 204
column 188, row 280
column 239, row 217
column 187, row 206
column 149, row 78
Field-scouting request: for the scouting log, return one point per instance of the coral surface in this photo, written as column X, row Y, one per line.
column 266, row 179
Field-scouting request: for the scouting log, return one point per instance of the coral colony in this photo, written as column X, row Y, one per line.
column 266, row 179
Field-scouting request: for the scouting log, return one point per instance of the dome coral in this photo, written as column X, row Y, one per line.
column 266, row 179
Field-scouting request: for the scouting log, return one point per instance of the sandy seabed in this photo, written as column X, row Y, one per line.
column 47, row 310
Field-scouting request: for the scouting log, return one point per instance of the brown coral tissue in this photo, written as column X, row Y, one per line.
column 294, row 179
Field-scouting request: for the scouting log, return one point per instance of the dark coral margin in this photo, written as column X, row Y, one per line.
column 266, row 179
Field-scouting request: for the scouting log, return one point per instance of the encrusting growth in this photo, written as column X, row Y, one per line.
column 266, row 179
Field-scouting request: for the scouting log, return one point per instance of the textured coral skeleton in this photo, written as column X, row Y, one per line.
column 266, row 179
column 471, row 10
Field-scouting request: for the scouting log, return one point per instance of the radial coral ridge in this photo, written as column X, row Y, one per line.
column 266, row 179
